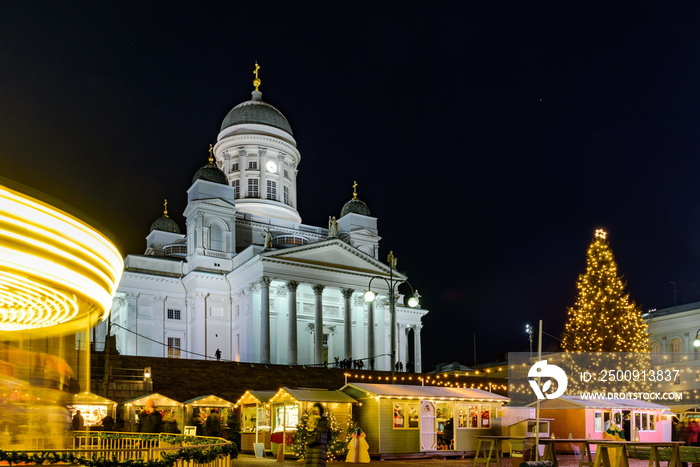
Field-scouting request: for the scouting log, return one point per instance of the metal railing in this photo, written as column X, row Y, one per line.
column 104, row 449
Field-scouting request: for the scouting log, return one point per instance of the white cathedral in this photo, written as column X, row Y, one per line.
column 248, row 279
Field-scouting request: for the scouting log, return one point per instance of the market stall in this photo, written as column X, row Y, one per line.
column 582, row 418
column 164, row 405
column 404, row 419
column 288, row 404
column 93, row 408
column 255, row 419
column 199, row 409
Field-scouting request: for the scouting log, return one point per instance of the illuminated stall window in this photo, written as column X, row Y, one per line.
column 405, row 415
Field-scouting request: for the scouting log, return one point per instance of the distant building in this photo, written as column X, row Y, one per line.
column 247, row 277
column 672, row 331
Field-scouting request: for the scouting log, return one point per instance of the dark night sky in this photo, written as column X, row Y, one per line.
column 489, row 138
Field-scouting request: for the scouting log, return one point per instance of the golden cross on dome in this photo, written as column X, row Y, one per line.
column 256, row 81
column 165, row 209
column 354, row 190
column 600, row 233
column 211, row 158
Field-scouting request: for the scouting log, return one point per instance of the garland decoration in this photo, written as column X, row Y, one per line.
column 201, row 456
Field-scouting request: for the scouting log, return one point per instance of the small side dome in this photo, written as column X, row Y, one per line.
column 210, row 172
column 355, row 205
column 165, row 223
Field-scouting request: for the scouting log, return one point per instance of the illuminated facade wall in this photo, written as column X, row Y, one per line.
column 217, row 287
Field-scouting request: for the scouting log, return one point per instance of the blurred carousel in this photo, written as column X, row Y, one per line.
column 58, row 276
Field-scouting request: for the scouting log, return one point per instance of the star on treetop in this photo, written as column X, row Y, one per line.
column 600, row 233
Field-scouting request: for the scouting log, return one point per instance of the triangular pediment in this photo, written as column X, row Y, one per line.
column 331, row 254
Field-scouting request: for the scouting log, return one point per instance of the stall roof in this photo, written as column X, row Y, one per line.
column 423, row 392
column 682, row 408
column 88, row 398
column 158, row 400
column 571, row 402
column 313, row 395
column 208, row 401
column 256, row 397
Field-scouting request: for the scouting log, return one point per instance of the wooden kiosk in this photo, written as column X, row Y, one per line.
column 255, row 419
column 93, row 408
column 134, row 406
column 290, row 403
column 201, row 407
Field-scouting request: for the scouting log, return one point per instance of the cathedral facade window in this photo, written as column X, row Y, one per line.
column 173, row 313
column 173, row 347
column 271, row 190
column 236, row 184
column 286, row 194
column 253, row 188
column 234, row 167
column 252, row 165
column 216, row 233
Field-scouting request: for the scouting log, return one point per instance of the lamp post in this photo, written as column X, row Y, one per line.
column 391, row 284
column 529, row 331
column 696, row 341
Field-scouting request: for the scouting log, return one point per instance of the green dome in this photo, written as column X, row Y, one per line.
column 210, row 173
column 355, row 205
column 165, row 224
column 258, row 112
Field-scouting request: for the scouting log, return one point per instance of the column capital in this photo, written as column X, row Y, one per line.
column 318, row 289
column 265, row 281
column 347, row 293
column 292, row 286
column 159, row 299
column 310, row 327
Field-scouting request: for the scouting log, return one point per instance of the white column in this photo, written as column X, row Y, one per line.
column 242, row 167
column 265, row 320
column 263, row 173
column 400, row 357
column 292, row 304
column 416, row 348
column 318, row 323
column 347, row 323
column 293, row 187
column 280, row 181
column 370, row 331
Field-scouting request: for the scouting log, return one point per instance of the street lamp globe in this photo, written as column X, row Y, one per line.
column 696, row 342
column 370, row 296
column 413, row 301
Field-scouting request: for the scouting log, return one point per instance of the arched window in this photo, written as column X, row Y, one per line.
column 216, row 234
column 655, row 349
column 676, row 349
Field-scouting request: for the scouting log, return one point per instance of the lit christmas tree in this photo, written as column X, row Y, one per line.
column 337, row 442
column 603, row 318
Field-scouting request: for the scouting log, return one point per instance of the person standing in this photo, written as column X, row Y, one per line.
column 214, row 423
column 318, row 437
column 218, row 354
column 78, row 421
column 151, row 420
